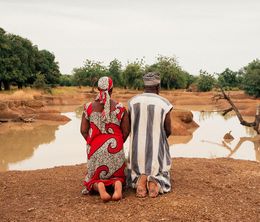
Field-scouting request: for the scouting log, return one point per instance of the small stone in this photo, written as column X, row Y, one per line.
column 31, row 209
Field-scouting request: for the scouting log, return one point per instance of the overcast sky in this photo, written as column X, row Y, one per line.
column 202, row 34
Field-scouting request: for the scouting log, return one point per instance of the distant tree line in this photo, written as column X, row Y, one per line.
column 172, row 76
column 22, row 63
column 247, row 79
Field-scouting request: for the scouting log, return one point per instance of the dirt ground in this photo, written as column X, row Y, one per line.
column 203, row 190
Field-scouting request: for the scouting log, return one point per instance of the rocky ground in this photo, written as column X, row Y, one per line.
column 203, row 190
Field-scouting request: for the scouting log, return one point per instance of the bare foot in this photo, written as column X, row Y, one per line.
column 153, row 189
column 118, row 191
column 102, row 192
column 141, row 190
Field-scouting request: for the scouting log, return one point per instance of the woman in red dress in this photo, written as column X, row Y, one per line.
column 105, row 126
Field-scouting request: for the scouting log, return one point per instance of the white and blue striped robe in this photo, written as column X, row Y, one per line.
column 149, row 149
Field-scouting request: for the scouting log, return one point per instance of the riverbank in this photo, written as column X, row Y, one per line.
column 203, row 190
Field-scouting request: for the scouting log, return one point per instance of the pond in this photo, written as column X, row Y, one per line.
column 55, row 145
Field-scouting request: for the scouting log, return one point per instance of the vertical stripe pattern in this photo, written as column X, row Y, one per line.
column 149, row 150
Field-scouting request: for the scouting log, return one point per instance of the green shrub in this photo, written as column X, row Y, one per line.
column 251, row 81
column 205, row 82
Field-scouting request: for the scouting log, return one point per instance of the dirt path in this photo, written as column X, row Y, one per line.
column 204, row 190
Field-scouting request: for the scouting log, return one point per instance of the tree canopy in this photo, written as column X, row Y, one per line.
column 251, row 80
column 20, row 61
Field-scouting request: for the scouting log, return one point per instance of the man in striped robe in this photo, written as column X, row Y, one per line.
column 149, row 160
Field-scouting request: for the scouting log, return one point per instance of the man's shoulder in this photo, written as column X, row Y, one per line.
column 146, row 97
column 136, row 97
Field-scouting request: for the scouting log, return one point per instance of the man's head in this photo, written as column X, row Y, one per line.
column 152, row 82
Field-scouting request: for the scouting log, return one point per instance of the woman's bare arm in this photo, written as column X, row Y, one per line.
column 125, row 125
column 84, row 127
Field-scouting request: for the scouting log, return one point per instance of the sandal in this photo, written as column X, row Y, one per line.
column 141, row 190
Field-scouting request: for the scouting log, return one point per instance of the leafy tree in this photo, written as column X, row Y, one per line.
column 20, row 60
column 79, row 77
column 205, row 81
column 4, row 54
column 89, row 73
column 40, row 81
column 251, row 81
column 190, row 79
column 66, row 80
column 228, row 79
column 133, row 75
column 172, row 76
column 115, row 72
column 45, row 63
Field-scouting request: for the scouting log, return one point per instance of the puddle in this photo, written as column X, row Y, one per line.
column 49, row 146
column 207, row 141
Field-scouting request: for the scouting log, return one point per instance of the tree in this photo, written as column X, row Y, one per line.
column 133, row 75
column 40, row 81
column 89, row 74
column 66, row 80
column 115, row 72
column 20, row 60
column 172, row 76
column 46, row 64
column 251, row 81
column 4, row 51
column 205, row 81
column 228, row 79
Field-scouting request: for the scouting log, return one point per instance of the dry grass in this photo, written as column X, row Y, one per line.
column 24, row 94
column 70, row 90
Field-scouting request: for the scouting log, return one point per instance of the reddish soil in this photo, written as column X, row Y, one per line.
column 203, row 190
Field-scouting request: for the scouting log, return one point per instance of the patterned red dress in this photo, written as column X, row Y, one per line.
column 106, row 158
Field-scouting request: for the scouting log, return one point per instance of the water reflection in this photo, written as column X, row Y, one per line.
column 255, row 140
column 51, row 145
column 19, row 145
column 207, row 140
column 66, row 148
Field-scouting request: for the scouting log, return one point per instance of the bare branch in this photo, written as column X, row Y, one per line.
column 254, row 124
column 226, row 111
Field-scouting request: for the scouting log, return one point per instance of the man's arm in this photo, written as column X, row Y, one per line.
column 167, row 124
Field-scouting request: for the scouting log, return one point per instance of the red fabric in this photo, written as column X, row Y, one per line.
column 98, row 140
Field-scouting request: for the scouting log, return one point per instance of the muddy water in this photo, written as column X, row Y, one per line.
column 48, row 146
column 207, row 140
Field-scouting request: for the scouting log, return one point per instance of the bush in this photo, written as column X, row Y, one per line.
column 205, row 81
column 66, row 80
column 40, row 81
column 251, row 81
column 228, row 79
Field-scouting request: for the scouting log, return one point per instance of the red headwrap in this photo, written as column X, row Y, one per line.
column 104, row 85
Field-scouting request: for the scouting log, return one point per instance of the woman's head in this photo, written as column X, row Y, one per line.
column 105, row 83
column 105, row 86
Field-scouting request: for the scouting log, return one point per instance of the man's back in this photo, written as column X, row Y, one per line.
column 149, row 149
column 147, row 112
column 149, row 160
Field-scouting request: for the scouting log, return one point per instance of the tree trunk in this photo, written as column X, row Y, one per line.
column 6, row 85
column 255, row 125
column 0, row 85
